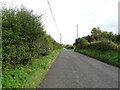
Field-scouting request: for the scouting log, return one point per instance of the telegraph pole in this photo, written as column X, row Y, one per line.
column 60, row 38
column 77, row 30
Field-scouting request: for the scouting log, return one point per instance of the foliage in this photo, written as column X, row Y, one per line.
column 110, row 57
column 24, row 37
column 69, row 46
column 101, row 45
column 81, row 43
column 28, row 76
column 13, row 78
column 89, row 38
column 98, row 35
column 104, row 45
column 99, row 40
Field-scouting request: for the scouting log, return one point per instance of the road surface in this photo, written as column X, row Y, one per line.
column 74, row 70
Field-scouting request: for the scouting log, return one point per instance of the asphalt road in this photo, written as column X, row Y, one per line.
column 74, row 70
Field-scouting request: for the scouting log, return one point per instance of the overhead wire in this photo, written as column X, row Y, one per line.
column 53, row 16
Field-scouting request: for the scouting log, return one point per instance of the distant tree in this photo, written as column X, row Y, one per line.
column 96, row 33
column 73, row 44
column 89, row 38
column 81, row 43
column 118, row 38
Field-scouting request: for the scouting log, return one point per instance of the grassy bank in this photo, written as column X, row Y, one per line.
column 31, row 75
column 110, row 57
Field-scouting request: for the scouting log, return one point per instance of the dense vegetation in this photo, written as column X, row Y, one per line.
column 29, row 76
column 23, row 37
column 69, row 46
column 101, row 45
column 23, row 41
column 110, row 57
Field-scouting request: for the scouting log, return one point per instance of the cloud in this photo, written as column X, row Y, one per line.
column 86, row 13
column 110, row 26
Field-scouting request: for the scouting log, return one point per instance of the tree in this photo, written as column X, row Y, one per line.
column 81, row 43
column 89, row 38
column 96, row 33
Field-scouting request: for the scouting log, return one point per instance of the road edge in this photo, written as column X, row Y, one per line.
column 50, row 66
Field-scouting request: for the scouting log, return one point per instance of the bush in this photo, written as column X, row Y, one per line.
column 23, row 37
column 110, row 57
column 81, row 43
column 22, row 76
column 104, row 45
column 69, row 46
column 13, row 79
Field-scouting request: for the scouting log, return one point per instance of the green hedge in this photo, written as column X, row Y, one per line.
column 69, row 46
column 23, row 37
column 81, row 43
column 110, row 57
column 104, row 45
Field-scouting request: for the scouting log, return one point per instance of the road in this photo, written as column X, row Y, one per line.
column 74, row 70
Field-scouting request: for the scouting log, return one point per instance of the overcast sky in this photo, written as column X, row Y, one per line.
column 67, row 13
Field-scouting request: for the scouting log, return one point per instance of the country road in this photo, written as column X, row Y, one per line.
column 74, row 70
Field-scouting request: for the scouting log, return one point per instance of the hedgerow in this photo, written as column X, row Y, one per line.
column 104, row 45
column 28, row 76
column 101, row 45
column 99, row 40
column 23, row 37
column 69, row 46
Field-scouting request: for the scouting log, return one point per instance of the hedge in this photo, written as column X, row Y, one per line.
column 23, row 37
column 104, row 45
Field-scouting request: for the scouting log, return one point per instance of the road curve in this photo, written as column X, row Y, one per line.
column 74, row 70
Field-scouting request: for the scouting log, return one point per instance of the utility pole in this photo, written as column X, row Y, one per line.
column 60, row 38
column 77, row 30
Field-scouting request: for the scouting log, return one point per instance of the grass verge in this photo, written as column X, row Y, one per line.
column 31, row 75
column 110, row 57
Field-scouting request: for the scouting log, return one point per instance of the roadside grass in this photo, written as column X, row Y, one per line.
column 31, row 75
column 0, row 75
column 110, row 57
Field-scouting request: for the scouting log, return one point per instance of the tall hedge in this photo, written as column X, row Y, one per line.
column 23, row 37
column 104, row 45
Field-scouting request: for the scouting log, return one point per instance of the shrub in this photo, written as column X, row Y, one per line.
column 23, row 37
column 81, row 43
column 69, row 46
column 103, row 45
column 13, row 79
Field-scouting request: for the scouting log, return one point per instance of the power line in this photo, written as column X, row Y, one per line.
column 53, row 16
column 55, row 22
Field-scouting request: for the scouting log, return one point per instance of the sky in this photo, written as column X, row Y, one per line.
column 68, row 13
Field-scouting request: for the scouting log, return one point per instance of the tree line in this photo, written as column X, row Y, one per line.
column 100, row 40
